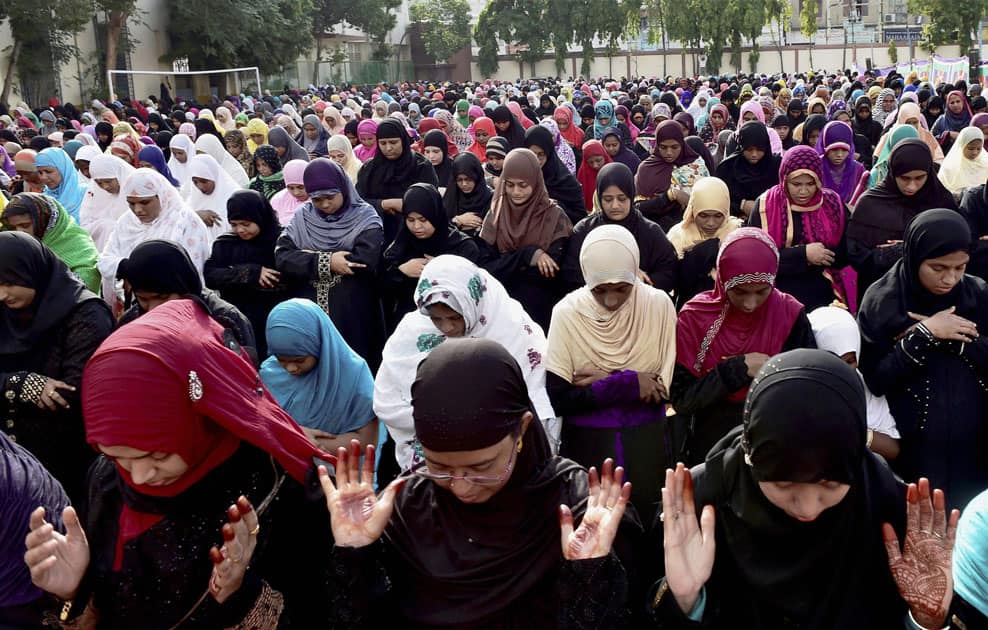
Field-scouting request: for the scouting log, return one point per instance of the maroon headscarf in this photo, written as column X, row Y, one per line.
column 709, row 328
column 167, row 383
column 655, row 174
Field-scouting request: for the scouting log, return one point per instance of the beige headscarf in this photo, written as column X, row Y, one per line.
column 709, row 193
column 639, row 336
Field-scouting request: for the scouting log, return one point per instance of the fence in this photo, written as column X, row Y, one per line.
column 300, row 74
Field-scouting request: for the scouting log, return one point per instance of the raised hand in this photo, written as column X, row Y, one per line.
column 689, row 547
column 57, row 561
column 50, row 398
column 922, row 569
column 358, row 517
column 605, row 509
column 947, row 326
column 231, row 560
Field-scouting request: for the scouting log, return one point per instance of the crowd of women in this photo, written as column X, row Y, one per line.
column 651, row 353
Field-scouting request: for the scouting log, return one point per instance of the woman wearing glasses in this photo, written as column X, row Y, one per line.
column 482, row 534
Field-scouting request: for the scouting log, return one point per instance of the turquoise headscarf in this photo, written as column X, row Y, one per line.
column 603, row 110
column 881, row 168
column 337, row 395
column 70, row 192
column 713, row 100
column 971, row 554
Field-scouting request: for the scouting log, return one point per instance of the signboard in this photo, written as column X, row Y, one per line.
column 180, row 65
column 903, row 34
column 949, row 70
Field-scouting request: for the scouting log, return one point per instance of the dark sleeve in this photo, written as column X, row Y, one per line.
column 800, row 335
column 659, row 259
column 367, row 250
column 792, row 260
column 973, row 210
column 570, row 267
column 221, row 276
column 593, row 594
column 466, row 248
column 370, row 196
column 425, row 173
column 697, row 263
column 293, row 262
column 887, row 366
column 503, row 265
column 657, row 207
column 722, row 172
column 690, row 394
column 391, row 276
column 557, row 250
column 359, row 584
column 872, row 262
column 840, row 251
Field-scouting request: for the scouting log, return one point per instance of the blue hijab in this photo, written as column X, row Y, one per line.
column 154, row 156
column 337, row 395
column 970, row 552
column 603, row 110
column 70, row 192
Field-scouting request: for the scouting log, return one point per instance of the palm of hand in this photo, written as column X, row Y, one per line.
column 71, row 560
column 605, row 509
column 585, row 542
column 922, row 573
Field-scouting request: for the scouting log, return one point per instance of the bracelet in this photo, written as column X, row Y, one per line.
column 871, row 436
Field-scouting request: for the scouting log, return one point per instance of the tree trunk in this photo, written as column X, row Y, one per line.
column 114, row 27
column 315, row 66
column 15, row 53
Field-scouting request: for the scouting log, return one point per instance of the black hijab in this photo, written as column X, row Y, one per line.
column 423, row 199
column 814, row 122
column 748, row 180
column 444, row 172
column 883, row 212
column 831, row 572
column 783, row 121
column 515, row 133
column 933, row 233
column 562, row 185
column 204, row 126
column 104, row 128
column 383, row 171
column 160, row 266
column 163, row 139
column 467, row 563
column 478, row 201
column 26, row 262
column 796, row 111
column 250, row 205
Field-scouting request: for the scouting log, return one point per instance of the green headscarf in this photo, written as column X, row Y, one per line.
column 881, row 168
column 463, row 105
column 56, row 229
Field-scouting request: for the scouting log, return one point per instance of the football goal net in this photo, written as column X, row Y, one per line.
column 186, row 82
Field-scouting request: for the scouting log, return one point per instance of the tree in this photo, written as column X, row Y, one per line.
column 44, row 28
column 807, row 23
column 950, row 22
column 117, row 13
column 444, row 26
column 517, row 22
column 893, row 52
column 374, row 17
column 270, row 35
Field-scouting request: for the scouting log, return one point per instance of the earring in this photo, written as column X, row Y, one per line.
column 518, row 446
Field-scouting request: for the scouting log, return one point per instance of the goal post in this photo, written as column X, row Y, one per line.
column 172, row 73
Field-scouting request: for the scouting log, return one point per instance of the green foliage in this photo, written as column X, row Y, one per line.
column 539, row 25
column 444, row 26
column 950, row 22
column 270, row 35
column 46, row 24
column 374, row 17
column 807, row 18
column 893, row 52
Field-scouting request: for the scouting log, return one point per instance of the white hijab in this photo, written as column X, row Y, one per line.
column 180, row 170
column 175, row 223
column 958, row 172
column 100, row 210
column 205, row 167
column 488, row 312
column 211, row 145
column 837, row 332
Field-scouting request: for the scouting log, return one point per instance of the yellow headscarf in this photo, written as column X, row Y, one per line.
column 709, row 194
column 255, row 126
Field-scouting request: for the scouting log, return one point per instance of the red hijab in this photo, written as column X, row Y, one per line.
column 710, row 329
column 573, row 134
column 168, row 383
column 586, row 175
column 425, row 126
column 483, row 123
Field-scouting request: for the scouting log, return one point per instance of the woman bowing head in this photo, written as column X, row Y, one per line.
column 472, row 538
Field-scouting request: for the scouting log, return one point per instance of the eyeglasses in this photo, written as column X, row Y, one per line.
column 480, row 480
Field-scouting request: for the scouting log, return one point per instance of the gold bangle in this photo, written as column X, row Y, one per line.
column 871, row 436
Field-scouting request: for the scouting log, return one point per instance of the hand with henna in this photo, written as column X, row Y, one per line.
column 605, row 509
column 357, row 516
column 922, row 569
column 230, row 561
